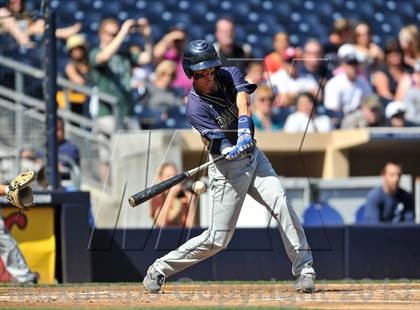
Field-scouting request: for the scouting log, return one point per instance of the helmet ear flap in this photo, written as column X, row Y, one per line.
column 187, row 71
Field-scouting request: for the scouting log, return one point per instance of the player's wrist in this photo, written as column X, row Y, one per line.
column 245, row 125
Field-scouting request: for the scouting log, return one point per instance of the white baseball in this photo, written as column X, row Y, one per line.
column 199, row 187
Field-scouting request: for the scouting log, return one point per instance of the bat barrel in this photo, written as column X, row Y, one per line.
column 155, row 190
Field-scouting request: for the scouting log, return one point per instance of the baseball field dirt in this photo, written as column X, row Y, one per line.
column 329, row 295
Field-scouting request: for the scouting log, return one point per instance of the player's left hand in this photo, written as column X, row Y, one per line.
column 244, row 144
column 19, row 192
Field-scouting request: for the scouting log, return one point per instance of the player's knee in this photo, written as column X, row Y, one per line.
column 279, row 203
column 221, row 241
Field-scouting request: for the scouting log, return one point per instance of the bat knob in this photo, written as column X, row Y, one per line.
column 132, row 202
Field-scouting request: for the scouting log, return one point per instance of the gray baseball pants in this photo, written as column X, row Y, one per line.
column 229, row 184
column 12, row 257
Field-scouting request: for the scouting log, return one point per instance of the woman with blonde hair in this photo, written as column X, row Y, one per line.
column 371, row 52
column 263, row 109
column 176, row 207
column 409, row 38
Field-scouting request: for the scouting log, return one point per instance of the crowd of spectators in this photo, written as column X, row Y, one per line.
column 346, row 82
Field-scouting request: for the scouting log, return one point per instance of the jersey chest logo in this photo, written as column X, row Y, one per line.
column 228, row 116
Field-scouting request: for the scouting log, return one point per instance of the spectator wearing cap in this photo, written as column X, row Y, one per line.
column 171, row 47
column 370, row 114
column 286, row 81
column 305, row 118
column 77, row 70
column 263, row 109
column 395, row 114
column 230, row 51
column 345, row 92
column 386, row 77
column 274, row 61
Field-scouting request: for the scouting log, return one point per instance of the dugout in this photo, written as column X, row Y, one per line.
column 53, row 235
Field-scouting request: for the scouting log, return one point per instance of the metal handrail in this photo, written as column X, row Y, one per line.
column 40, row 105
column 35, row 114
column 39, row 74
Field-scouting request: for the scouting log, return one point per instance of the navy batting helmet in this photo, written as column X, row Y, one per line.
column 199, row 55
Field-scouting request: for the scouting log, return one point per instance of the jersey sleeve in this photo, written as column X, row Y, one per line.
column 239, row 82
column 372, row 208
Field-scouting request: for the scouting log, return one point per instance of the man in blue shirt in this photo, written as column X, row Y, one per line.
column 219, row 108
column 66, row 149
column 389, row 203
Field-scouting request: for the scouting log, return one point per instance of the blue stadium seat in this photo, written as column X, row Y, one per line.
column 321, row 214
column 182, row 18
column 360, row 214
column 68, row 7
column 111, row 8
column 282, row 10
column 199, row 12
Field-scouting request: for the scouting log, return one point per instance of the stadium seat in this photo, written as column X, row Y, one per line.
column 321, row 214
column 111, row 8
column 360, row 214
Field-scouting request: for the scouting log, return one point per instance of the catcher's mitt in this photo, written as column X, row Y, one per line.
column 19, row 192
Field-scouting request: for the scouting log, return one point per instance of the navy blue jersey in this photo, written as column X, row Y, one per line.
column 216, row 113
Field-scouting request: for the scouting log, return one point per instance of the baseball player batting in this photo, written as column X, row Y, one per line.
column 219, row 108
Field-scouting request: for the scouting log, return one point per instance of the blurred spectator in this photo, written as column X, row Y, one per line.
column 371, row 52
column 66, row 149
column 410, row 43
column 412, row 96
column 176, row 207
column 255, row 73
column 68, row 158
column 314, row 65
column 263, row 109
column 345, row 92
column 286, row 81
column 159, row 93
column 111, row 73
column 33, row 158
column 274, row 61
column 22, row 26
column 385, row 78
column 342, row 33
column 370, row 114
column 77, row 70
column 389, row 203
column 305, row 117
column 171, row 47
column 395, row 114
column 226, row 46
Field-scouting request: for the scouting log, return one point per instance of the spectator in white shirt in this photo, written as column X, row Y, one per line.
column 345, row 92
column 305, row 117
column 286, row 81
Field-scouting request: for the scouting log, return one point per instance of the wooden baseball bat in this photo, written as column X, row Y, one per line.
column 156, row 189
